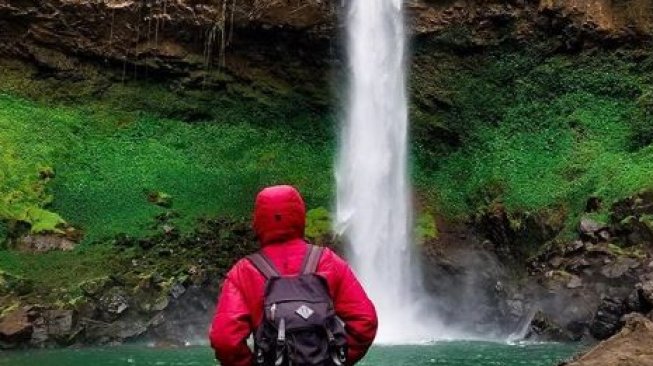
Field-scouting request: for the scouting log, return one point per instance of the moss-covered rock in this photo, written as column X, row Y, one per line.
column 10, row 283
column 95, row 287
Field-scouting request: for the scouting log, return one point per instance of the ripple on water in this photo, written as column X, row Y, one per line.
column 443, row 354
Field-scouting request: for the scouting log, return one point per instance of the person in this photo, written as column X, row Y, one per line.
column 279, row 220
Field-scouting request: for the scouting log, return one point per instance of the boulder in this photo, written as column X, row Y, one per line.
column 177, row 290
column 113, row 303
column 637, row 303
column 16, row 327
column 607, row 320
column 542, row 328
column 637, row 230
column 633, row 346
column 633, row 218
column 619, row 268
column 60, row 323
column 593, row 230
column 44, row 243
column 647, row 291
column 93, row 288
column 574, row 282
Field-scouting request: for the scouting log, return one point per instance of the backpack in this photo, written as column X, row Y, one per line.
column 300, row 326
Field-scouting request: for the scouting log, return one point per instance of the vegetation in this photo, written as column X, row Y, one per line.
column 106, row 166
column 119, row 159
column 318, row 223
column 540, row 133
column 137, row 160
column 61, row 270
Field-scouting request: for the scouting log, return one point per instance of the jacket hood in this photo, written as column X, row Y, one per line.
column 279, row 215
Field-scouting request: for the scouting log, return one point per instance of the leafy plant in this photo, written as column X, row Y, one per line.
column 425, row 227
column 318, row 223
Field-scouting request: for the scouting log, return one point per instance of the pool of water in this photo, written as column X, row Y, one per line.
column 448, row 353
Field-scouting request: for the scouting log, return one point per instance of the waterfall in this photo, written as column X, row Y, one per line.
column 374, row 195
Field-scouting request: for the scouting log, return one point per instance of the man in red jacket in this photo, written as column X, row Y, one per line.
column 279, row 220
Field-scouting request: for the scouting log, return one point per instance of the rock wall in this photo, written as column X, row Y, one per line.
column 187, row 38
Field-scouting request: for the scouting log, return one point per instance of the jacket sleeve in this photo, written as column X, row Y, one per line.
column 231, row 326
column 357, row 311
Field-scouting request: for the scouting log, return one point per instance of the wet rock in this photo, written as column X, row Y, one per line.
column 113, row 333
column 16, row 327
column 633, row 218
column 517, row 236
column 556, row 262
column 633, row 346
column 542, row 328
column 574, row 282
column 185, row 318
column 113, row 303
column 607, row 320
column 95, row 287
column 592, row 230
column 60, row 323
column 161, row 304
column 636, row 302
column 577, row 328
column 54, row 327
column 646, row 289
column 177, row 290
column 637, row 230
column 578, row 264
column 619, row 268
column 574, row 247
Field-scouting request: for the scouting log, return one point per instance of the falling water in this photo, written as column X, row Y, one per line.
column 373, row 205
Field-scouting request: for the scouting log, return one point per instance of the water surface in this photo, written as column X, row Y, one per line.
column 448, row 354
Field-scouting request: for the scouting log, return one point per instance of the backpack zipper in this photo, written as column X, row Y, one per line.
column 273, row 310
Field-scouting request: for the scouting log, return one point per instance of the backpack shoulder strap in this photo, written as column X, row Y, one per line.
column 312, row 259
column 263, row 264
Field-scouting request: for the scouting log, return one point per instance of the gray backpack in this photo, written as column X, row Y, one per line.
column 300, row 326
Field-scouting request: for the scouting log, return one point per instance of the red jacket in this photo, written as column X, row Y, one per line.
column 279, row 219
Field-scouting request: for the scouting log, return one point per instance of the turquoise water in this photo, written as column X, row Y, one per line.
column 449, row 354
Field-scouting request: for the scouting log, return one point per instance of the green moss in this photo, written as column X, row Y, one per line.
column 425, row 227
column 318, row 223
column 57, row 269
column 107, row 161
column 539, row 133
column 642, row 121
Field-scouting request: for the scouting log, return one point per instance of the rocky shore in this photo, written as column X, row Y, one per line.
column 630, row 347
column 572, row 290
column 166, row 296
